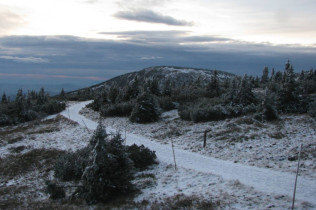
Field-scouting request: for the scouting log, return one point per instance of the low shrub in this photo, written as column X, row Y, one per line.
column 117, row 110
column 141, row 156
column 200, row 112
column 55, row 191
column 166, row 103
column 312, row 109
column 70, row 166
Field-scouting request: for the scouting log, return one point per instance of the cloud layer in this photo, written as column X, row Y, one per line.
column 24, row 59
column 143, row 15
column 9, row 21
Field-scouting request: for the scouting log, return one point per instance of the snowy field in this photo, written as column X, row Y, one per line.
column 161, row 185
column 242, row 140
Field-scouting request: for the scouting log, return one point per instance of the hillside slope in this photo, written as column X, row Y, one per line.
column 174, row 75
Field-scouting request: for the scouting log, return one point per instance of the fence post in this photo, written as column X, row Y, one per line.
column 204, row 144
column 205, row 135
column 297, row 169
column 86, row 126
column 174, row 156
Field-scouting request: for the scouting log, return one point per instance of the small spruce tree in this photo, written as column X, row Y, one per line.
column 146, row 109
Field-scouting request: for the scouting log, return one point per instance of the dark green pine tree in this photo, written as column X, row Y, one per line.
column 288, row 100
column 19, row 101
column 113, row 94
column 42, row 98
column 132, row 90
column 146, row 109
column 154, row 87
column 110, row 172
column 4, row 99
column 213, row 88
column 265, row 75
column 62, row 94
column 245, row 96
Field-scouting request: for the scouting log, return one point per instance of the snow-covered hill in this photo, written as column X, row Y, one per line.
column 174, row 75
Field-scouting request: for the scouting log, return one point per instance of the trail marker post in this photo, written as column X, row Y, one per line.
column 297, row 170
column 174, row 156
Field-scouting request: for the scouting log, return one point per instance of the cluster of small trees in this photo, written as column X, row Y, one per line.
column 27, row 107
column 104, row 168
column 272, row 93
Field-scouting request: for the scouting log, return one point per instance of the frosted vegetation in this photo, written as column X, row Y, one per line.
column 218, row 99
column 255, row 121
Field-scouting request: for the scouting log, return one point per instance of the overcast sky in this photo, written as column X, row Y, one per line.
column 93, row 40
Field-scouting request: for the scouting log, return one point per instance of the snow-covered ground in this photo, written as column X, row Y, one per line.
column 262, row 179
column 192, row 179
column 241, row 140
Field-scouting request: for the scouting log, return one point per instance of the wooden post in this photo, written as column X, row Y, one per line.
column 205, row 135
column 86, row 126
column 204, row 144
column 174, row 156
column 297, row 170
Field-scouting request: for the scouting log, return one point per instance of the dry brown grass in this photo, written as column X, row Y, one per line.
column 15, row 165
column 182, row 201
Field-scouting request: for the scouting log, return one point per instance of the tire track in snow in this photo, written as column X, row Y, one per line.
column 261, row 179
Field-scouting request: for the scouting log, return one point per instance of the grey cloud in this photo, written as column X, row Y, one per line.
column 9, row 20
column 150, row 16
column 84, row 57
column 184, row 41
column 24, row 59
column 150, row 37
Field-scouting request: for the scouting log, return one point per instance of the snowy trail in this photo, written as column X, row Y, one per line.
column 265, row 180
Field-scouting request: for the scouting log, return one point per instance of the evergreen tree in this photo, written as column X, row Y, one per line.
column 132, row 90
column 272, row 74
column 146, row 109
column 245, row 95
column 42, row 98
column 269, row 112
column 167, row 89
column 265, row 75
column 213, row 87
column 62, row 94
column 19, row 100
column 113, row 93
column 154, row 87
column 4, row 99
column 110, row 171
column 278, row 77
column 288, row 100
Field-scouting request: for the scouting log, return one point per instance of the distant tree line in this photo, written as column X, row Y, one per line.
column 278, row 92
column 26, row 107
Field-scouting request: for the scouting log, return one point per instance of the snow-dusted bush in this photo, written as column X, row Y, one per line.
column 312, row 109
column 166, row 103
column 202, row 112
column 104, row 167
column 270, row 113
column 141, row 156
column 146, row 110
column 55, row 191
column 117, row 110
column 70, row 166
column 110, row 171
column 4, row 120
